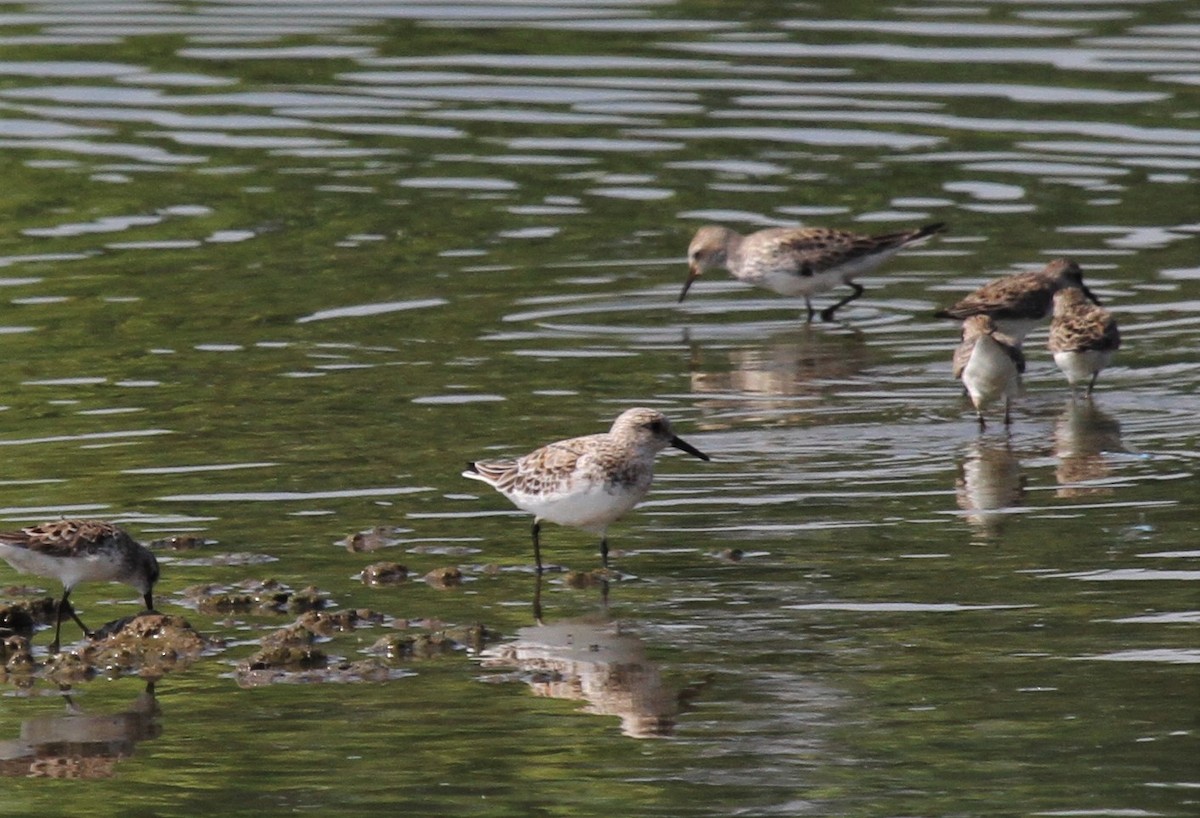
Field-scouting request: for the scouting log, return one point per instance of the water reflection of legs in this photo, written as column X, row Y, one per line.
column 537, row 598
column 598, row 662
column 77, row 744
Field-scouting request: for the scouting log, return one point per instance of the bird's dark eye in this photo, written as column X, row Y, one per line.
column 656, row 426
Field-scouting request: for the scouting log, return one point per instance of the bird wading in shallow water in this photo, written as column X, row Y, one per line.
column 797, row 261
column 1083, row 338
column 75, row 551
column 585, row 482
column 989, row 364
column 1021, row 301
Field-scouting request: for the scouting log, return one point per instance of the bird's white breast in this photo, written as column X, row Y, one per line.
column 990, row 374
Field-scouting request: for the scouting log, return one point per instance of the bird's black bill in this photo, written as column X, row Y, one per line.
column 149, row 600
column 692, row 276
column 1091, row 295
column 683, row 445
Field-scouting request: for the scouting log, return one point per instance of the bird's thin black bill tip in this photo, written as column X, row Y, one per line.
column 683, row 445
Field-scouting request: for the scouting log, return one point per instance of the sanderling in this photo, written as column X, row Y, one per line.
column 989, row 364
column 585, row 482
column 796, row 261
column 1083, row 338
column 1021, row 301
column 74, row 551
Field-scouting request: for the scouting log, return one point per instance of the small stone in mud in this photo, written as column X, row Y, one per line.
column 16, row 654
column 474, row 636
column 586, row 579
column 372, row 539
column 384, row 573
column 731, row 554
column 294, row 636
column 306, row 599
column 180, row 542
column 249, row 596
column 445, row 577
column 414, row 646
column 149, row 643
column 21, row 617
column 324, row 623
column 68, row 668
column 287, row 657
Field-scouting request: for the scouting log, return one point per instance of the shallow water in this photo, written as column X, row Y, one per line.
column 274, row 271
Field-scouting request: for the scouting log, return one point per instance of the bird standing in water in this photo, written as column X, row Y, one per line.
column 585, row 482
column 797, row 261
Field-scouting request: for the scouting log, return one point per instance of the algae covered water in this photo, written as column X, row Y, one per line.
column 274, row 272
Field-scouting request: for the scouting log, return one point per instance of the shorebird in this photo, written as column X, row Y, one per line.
column 74, row 551
column 585, row 482
column 989, row 363
column 796, row 261
column 1021, row 301
column 1083, row 338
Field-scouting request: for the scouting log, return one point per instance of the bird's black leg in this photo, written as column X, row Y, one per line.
column 537, row 548
column 811, row 311
column 65, row 607
column 537, row 600
column 982, row 422
column 604, row 550
column 1007, row 412
column 1092, row 383
column 827, row 313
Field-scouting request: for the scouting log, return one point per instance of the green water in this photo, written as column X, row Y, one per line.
column 272, row 274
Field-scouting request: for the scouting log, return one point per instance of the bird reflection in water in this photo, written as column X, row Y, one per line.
column 78, row 744
column 593, row 660
column 802, row 363
column 989, row 484
column 1084, row 436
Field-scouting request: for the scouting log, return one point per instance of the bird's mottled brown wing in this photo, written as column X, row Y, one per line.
column 1016, row 295
column 63, row 538
column 538, row 471
column 816, row 249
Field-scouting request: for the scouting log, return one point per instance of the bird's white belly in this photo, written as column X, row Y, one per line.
column 1079, row 367
column 793, row 284
column 990, row 374
column 589, row 506
column 69, row 570
column 790, row 282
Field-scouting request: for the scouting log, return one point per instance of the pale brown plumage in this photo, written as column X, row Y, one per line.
column 1083, row 337
column 797, row 261
column 74, row 551
column 1020, row 301
column 585, row 482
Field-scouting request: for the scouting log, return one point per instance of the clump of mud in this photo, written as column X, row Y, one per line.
column 448, row 577
column 24, row 615
column 254, row 596
column 149, row 645
column 373, row 539
column 384, row 573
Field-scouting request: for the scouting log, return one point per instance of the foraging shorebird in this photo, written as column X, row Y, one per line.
column 989, row 363
column 1083, row 338
column 75, row 551
column 585, row 482
column 797, row 261
column 1021, row 301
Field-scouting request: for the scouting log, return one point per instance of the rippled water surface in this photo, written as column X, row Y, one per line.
column 273, row 271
